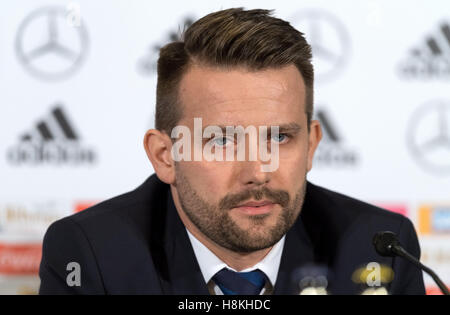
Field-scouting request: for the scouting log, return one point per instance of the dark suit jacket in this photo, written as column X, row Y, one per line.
column 136, row 244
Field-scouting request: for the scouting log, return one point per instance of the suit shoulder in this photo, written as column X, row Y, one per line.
column 134, row 205
column 107, row 207
column 349, row 206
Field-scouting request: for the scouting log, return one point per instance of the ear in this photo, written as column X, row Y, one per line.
column 315, row 135
column 158, row 146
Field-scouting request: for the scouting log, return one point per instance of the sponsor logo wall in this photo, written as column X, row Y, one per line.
column 78, row 89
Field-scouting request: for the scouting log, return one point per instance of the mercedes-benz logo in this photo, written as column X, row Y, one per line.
column 428, row 136
column 48, row 47
column 329, row 40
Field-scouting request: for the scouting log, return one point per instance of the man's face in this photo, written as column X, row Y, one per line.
column 234, row 203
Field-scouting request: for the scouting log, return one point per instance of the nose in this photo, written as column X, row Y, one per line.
column 250, row 170
column 251, row 175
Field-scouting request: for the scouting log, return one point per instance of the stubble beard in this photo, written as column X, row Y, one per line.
column 216, row 223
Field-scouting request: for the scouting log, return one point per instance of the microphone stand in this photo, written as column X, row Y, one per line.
column 398, row 250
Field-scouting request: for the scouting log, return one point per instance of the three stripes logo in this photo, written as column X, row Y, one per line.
column 63, row 128
column 431, row 59
column 53, row 141
column 332, row 151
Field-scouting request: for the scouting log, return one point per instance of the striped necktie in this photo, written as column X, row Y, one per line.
column 240, row 283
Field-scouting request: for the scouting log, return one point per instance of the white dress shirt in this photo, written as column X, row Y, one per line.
column 210, row 264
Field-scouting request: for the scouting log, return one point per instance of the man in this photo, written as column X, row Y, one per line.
column 206, row 225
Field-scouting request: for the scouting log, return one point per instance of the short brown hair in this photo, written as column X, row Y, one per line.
column 232, row 37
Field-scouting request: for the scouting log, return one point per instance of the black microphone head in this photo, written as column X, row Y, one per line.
column 384, row 242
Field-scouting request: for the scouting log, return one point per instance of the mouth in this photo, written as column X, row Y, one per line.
column 256, row 207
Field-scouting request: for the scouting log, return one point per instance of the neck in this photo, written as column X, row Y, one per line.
column 236, row 260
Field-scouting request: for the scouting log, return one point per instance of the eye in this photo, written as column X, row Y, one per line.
column 280, row 138
column 221, row 141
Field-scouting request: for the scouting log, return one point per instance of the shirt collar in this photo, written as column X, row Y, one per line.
column 210, row 264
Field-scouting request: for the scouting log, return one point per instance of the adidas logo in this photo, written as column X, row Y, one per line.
column 332, row 151
column 52, row 141
column 430, row 60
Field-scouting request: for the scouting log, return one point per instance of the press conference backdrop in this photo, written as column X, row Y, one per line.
column 77, row 82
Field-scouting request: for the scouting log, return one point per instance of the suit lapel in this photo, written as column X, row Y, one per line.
column 297, row 252
column 184, row 274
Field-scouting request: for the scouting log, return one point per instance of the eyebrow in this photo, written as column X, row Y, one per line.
column 292, row 128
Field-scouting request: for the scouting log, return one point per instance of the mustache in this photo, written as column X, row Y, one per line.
column 276, row 196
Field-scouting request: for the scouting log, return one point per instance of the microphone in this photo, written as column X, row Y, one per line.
column 387, row 244
column 311, row 279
